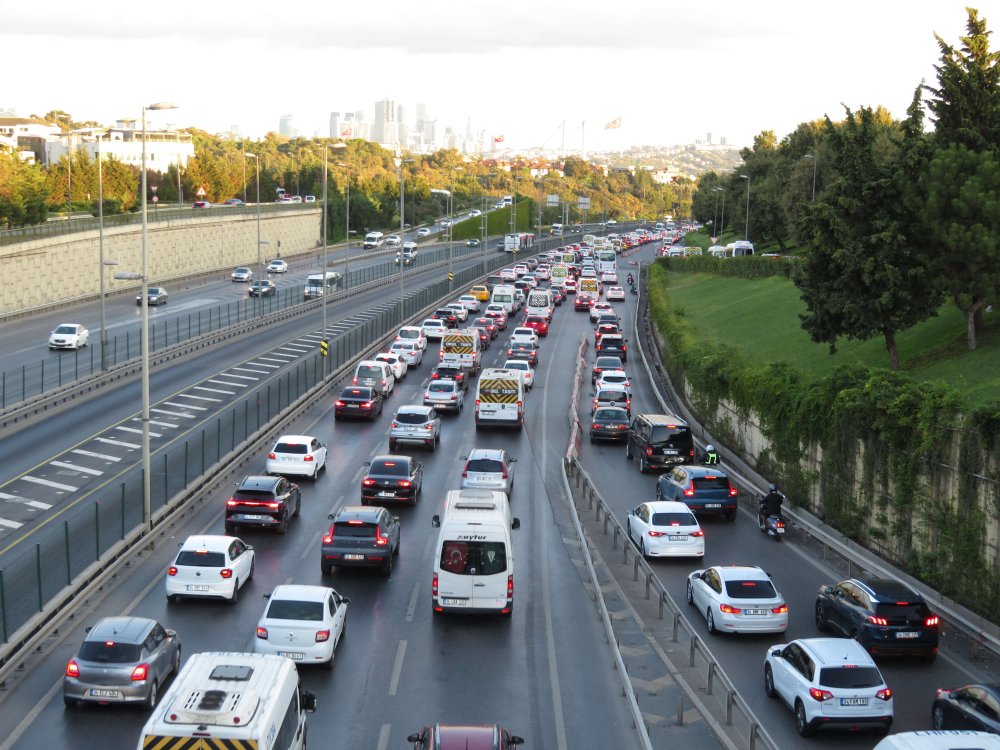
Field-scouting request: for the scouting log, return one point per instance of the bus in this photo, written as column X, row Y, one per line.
column 513, row 243
column 315, row 286
column 607, row 261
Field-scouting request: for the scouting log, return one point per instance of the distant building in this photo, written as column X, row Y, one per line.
column 286, row 126
column 384, row 129
column 164, row 148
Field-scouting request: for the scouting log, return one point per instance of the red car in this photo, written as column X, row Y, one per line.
column 584, row 302
column 538, row 323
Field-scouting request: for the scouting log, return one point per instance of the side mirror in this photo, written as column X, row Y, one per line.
column 436, row 521
column 170, row 633
column 250, row 548
column 266, row 596
column 345, row 600
column 413, row 738
column 515, row 524
column 396, row 519
column 308, row 701
column 330, row 516
column 367, row 463
column 515, row 740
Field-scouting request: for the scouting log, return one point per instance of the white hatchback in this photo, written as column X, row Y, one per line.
column 434, row 328
column 396, row 362
column 525, row 335
column 410, row 350
column 615, row 293
column 471, row 303
column 413, row 333
column 296, row 455
column 665, row 528
column 737, row 599
column 210, row 566
column 302, row 623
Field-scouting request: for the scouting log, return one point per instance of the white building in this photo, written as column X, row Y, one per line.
column 164, row 148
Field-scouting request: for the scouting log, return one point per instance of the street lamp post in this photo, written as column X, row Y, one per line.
column 260, row 274
column 100, row 248
column 814, row 160
column 746, row 229
column 399, row 161
column 715, row 213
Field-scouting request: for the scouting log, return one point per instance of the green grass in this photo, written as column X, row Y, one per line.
column 762, row 319
column 497, row 222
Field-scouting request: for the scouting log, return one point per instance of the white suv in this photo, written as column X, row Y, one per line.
column 828, row 682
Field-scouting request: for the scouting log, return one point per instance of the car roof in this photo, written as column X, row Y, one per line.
column 831, row 652
column 301, row 592
column 705, row 471
column 887, row 589
column 741, row 573
column 668, row 506
column 258, row 482
column 120, row 629
column 605, row 409
column 466, row 737
column 210, row 542
column 493, row 453
column 362, row 391
column 357, row 513
column 295, row 439
column 399, row 459
column 414, row 409
column 663, row 419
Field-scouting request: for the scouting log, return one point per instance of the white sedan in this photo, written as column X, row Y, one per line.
column 461, row 311
column 737, row 599
column 614, row 379
column 296, row 455
column 528, row 372
column 408, row 350
column 609, row 277
column 471, row 303
column 413, row 333
column 277, row 266
column 423, row 232
column 397, row 363
column 302, row 623
column 665, row 528
column 434, row 328
column 523, row 334
column 616, row 293
column 69, row 336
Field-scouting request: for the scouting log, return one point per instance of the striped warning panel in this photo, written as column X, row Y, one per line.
column 159, row 742
column 494, row 391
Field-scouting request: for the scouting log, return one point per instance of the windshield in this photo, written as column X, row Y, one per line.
column 484, row 466
column 298, row 448
column 287, row 609
column 354, row 530
column 674, row 519
column 711, row 483
column 65, row 329
column 473, row 558
column 409, row 334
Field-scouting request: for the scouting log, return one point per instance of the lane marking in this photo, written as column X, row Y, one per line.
column 226, row 382
column 10, row 524
column 383, row 737
column 74, row 467
column 312, row 545
column 118, row 442
column 137, row 432
column 413, row 602
column 397, row 667
column 200, row 398
column 241, row 377
column 47, row 483
column 185, row 406
column 214, row 390
column 282, row 360
column 171, row 425
column 250, row 369
column 172, row 413
column 271, row 367
column 92, row 454
column 33, row 503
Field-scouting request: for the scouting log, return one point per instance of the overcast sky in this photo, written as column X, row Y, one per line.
column 673, row 70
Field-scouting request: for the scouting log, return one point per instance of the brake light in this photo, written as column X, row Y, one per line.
column 366, row 405
column 405, row 483
column 262, row 633
column 434, row 585
column 820, row 695
column 395, row 424
column 884, row 694
column 780, row 524
column 328, row 537
column 308, row 458
column 322, row 635
column 477, row 403
column 172, row 570
column 729, row 610
column 271, row 456
column 877, row 620
column 368, row 483
column 140, row 673
column 232, row 502
column 380, row 540
column 657, row 533
column 689, row 492
column 649, row 451
column 699, row 532
column 782, row 610
column 932, row 622
column 226, row 573
column 428, row 427
column 354, row 381
column 338, row 402
column 510, row 587
column 732, row 491
column 72, row 669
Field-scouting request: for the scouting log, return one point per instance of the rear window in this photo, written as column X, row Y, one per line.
column 354, row 530
column 484, row 465
column 391, row 468
column 289, row 609
column 612, row 415
column 297, row 448
column 195, row 559
column 711, row 483
column 110, row 652
column 611, row 396
column 254, row 495
column 409, row 334
column 411, row 418
column 850, row 677
column 909, row 611
column 665, row 434
column 356, row 393
column 674, row 519
column 369, row 371
column 611, row 340
column 441, row 386
column 752, row 589
column 473, row 558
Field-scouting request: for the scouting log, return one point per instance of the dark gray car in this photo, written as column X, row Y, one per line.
column 360, row 536
column 122, row 660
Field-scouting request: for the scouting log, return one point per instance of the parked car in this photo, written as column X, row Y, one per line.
column 360, row 536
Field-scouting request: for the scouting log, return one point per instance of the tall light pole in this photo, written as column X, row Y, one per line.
column 260, row 274
column 451, row 227
column 814, row 160
column 746, row 230
column 399, row 161
column 100, row 249
column 715, row 215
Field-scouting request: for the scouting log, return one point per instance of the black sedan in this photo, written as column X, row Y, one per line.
column 523, row 350
column 451, row 371
column 263, row 288
column 360, row 537
column 609, row 423
column 704, row 489
column 975, row 707
column 392, row 478
column 155, row 295
column 357, row 402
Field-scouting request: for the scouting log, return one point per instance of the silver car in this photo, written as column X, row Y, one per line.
column 489, row 469
column 444, row 395
column 415, row 424
column 122, row 660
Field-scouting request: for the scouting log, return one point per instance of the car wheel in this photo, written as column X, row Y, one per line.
column 176, row 666
column 821, row 624
column 659, row 492
column 628, row 450
column 172, row 598
column 328, row 664
column 769, row 682
column 298, row 506
column 937, row 718
column 730, row 515
column 387, row 566
column 325, row 568
column 801, row 724
column 236, row 592
column 250, row 575
column 230, row 529
column 69, row 702
column 642, row 547
column 392, row 446
column 929, row 658
column 710, row 621
column 282, row 528
column 592, row 441
column 642, row 465
column 689, row 594
column 315, row 474
column 151, row 697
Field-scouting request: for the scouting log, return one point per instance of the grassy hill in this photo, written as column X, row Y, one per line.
column 761, row 318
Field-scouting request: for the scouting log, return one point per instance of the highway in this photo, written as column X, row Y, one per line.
column 546, row 674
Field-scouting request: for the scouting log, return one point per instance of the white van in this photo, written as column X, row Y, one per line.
column 739, row 248
column 539, row 303
column 461, row 347
column 376, row 374
column 557, row 230
column 232, row 700
column 373, row 240
column 500, row 398
column 503, row 294
column 474, row 564
column 941, row 739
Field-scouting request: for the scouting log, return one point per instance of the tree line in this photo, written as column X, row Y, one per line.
column 889, row 218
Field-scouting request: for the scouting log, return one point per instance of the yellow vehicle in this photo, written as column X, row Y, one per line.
column 590, row 286
column 481, row 293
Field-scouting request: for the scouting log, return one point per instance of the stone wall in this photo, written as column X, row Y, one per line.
column 49, row 271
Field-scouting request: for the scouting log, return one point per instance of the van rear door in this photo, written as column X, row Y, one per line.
column 491, row 569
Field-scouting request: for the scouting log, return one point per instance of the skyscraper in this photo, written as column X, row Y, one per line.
column 384, row 128
column 335, row 125
column 286, row 125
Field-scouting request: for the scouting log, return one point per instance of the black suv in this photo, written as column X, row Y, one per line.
column 612, row 345
column 263, row 501
column 659, row 440
column 883, row 615
column 360, row 536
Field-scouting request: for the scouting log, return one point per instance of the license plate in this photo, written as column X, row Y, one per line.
column 292, row 654
column 908, row 634
column 253, row 517
column 755, row 611
column 677, row 538
column 100, row 693
column 354, row 557
column 454, row 602
column 192, row 587
column 670, row 452
column 353, row 406
column 289, row 458
column 853, row 701
column 387, row 494
column 713, row 505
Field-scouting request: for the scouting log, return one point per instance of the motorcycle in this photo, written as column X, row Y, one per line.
column 772, row 525
column 634, row 290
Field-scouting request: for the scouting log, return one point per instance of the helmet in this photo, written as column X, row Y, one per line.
column 773, row 487
column 709, row 448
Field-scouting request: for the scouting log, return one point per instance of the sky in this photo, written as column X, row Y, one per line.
column 672, row 70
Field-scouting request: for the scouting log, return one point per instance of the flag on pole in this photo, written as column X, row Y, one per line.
column 614, row 124
column 347, row 131
column 498, row 139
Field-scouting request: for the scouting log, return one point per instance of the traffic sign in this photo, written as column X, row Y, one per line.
column 324, row 348
column 201, row 191
column 451, row 276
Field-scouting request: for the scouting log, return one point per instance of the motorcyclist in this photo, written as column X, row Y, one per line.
column 770, row 504
column 710, row 457
column 630, row 280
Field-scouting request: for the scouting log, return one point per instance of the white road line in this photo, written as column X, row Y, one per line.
column 282, row 360
column 383, row 737
column 310, row 549
column 118, row 442
column 295, row 355
column 214, row 390
column 74, row 467
column 138, row 432
column 397, row 668
column 226, row 382
column 300, row 348
column 250, row 369
column 172, row 413
column 413, row 602
column 171, row 425
column 92, row 454
column 10, row 524
column 47, row 483
column 200, row 398
column 357, row 476
column 270, row 367
column 242, row 377
column 185, row 406
column 37, row 504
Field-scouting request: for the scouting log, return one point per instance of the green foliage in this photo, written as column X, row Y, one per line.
column 22, row 192
column 746, row 267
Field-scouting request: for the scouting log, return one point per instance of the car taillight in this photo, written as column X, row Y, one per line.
column 820, row 695
column 428, row 427
column 884, row 694
column 140, row 673
column 510, row 587
column 732, row 491
column 338, row 402
column 782, row 610
column 434, row 585
column 226, row 573
column 380, row 541
column 932, row 622
column 322, row 635
column 729, row 610
column 308, row 458
column 689, row 492
column 262, row 633
column 354, row 381
column 368, row 483
column 649, row 451
column 328, row 537
column 271, row 456
column 232, row 502
column 366, row 405
column 172, row 570
column 72, row 669
column 453, row 397
column 273, row 505
column 405, row 483
column 699, row 532
column 477, row 403
column 877, row 620
column 657, row 533
column 780, row 524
